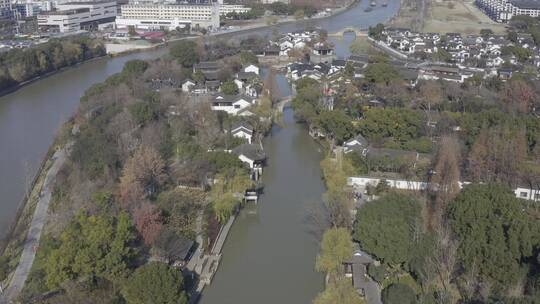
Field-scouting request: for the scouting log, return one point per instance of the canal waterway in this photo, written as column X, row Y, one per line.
column 269, row 256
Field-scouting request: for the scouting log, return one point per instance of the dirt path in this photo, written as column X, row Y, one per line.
column 34, row 233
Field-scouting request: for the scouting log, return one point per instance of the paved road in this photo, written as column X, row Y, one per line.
column 34, row 234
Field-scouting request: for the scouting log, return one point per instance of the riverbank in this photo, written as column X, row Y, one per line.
column 39, row 218
column 24, row 234
column 23, row 84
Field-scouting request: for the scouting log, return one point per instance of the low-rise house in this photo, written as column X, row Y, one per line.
column 356, row 269
column 447, row 73
column 188, row 85
column 242, row 130
column 505, row 73
column 272, row 50
column 177, row 252
column 252, row 69
column 248, row 83
column 234, row 105
column 212, row 86
column 209, row 69
column 199, row 89
column 322, row 52
column 252, row 155
column 358, row 143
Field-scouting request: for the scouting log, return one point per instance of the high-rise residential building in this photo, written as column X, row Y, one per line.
column 504, row 10
column 5, row 9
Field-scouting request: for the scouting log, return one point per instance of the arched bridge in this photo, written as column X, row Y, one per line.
column 349, row 29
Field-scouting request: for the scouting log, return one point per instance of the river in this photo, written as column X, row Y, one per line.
column 269, row 256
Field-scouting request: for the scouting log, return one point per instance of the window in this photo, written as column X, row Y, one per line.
column 523, row 194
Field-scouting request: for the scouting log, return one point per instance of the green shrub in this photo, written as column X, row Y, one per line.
column 398, row 294
column 377, row 273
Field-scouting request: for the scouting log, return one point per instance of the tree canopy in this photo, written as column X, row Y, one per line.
column 229, row 88
column 155, row 282
column 496, row 235
column 185, row 52
column 336, row 124
column 92, row 245
column 341, row 292
column 399, row 294
column 247, row 57
column 336, row 247
column 387, row 227
column 381, row 72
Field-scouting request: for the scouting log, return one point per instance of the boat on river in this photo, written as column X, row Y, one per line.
column 368, row 9
column 373, row 3
column 385, row 3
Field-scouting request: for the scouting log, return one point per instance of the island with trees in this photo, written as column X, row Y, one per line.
column 153, row 171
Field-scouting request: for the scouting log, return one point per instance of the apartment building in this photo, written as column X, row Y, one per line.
column 5, row 8
column 225, row 9
column 504, row 10
column 75, row 16
column 169, row 16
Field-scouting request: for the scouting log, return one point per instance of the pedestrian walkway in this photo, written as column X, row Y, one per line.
column 206, row 265
column 34, row 233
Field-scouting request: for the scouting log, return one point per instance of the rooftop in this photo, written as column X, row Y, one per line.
column 66, row 12
column 526, row 4
column 87, row 2
column 250, row 151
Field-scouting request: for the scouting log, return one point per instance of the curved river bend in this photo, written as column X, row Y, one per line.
column 270, row 255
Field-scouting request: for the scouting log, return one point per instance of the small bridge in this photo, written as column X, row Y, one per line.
column 282, row 102
column 349, row 29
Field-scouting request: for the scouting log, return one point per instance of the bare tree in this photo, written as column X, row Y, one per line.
column 443, row 261
column 447, row 168
column 519, row 96
column 270, row 88
column 430, row 95
column 143, row 173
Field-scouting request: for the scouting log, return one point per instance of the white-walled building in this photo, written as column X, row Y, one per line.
column 252, row 69
column 169, row 16
column 27, row 9
column 225, row 9
column 273, row 1
column 233, row 105
column 30, row 8
column 75, row 16
column 504, row 10
column 364, row 181
column 5, row 8
column 242, row 130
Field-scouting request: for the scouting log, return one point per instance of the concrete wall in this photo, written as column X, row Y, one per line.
column 363, row 181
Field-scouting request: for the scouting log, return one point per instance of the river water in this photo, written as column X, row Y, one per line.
column 270, row 255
